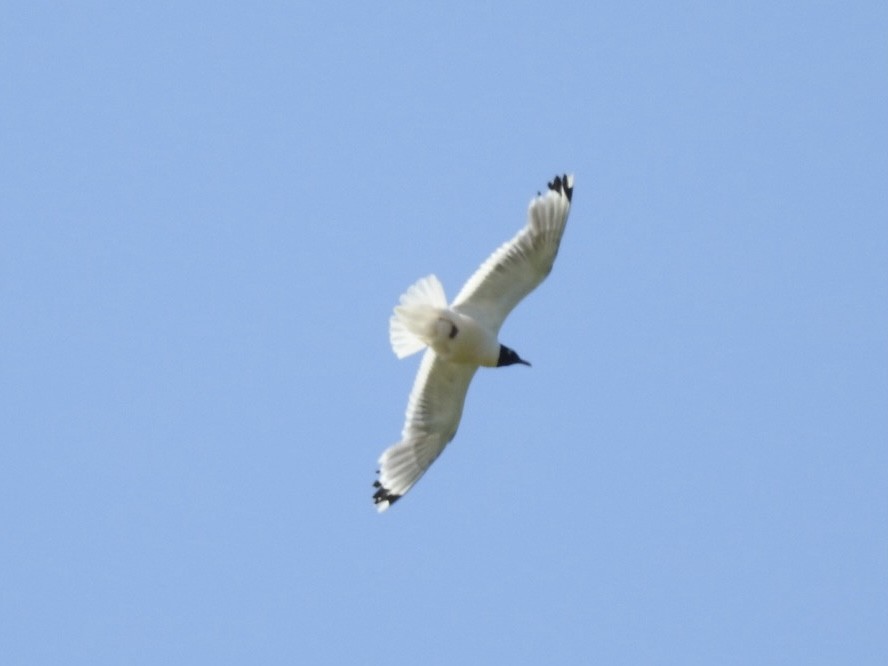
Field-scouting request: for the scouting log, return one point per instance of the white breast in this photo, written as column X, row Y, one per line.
column 460, row 339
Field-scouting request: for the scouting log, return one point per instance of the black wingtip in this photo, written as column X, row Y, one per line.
column 562, row 186
column 384, row 495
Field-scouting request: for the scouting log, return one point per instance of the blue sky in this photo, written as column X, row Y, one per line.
column 206, row 215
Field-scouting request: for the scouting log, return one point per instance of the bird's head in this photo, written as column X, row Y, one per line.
column 509, row 357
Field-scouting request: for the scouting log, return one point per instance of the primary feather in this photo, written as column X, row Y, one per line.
column 477, row 313
column 433, row 413
column 517, row 267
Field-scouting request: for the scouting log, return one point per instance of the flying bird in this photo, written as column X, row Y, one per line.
column 462, row 337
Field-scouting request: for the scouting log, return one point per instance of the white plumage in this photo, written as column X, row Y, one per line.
column 463, row 337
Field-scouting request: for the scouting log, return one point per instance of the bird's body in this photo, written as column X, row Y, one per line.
column 462, row 337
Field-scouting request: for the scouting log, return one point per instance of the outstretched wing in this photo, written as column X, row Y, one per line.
column 517, row 267
column 433, row 413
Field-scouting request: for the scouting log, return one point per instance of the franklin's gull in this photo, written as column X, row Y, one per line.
column 462, row 337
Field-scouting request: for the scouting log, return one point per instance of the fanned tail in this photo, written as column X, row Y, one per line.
column 417, row 311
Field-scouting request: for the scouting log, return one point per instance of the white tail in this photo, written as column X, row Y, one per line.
column 418, row 309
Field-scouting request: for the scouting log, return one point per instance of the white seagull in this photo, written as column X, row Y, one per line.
column 462, row 337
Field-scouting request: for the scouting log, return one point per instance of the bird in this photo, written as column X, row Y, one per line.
column 461, row 337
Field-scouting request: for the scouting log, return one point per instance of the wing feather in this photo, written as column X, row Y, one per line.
column 517, row 267
column 434, row 410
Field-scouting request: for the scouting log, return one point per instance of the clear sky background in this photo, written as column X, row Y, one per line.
column 207, row 213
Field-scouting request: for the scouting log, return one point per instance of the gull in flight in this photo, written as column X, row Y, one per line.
column 461, row 337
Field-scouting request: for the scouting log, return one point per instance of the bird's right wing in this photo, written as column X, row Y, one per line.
column 433, row 413
column 517, row 267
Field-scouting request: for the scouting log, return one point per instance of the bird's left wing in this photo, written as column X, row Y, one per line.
column 433, row 413
column 517, row 267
